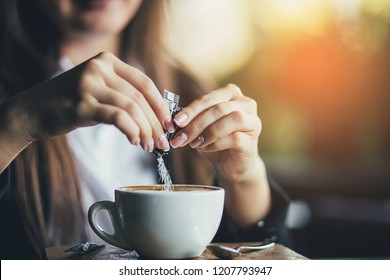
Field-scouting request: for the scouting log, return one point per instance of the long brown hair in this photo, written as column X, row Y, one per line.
column 46, row 180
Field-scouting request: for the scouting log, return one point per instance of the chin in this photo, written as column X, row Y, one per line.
column 99, row 26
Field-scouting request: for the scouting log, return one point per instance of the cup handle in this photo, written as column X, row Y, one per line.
column 116, row 239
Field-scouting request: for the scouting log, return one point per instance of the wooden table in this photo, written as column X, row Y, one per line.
column 108, row 252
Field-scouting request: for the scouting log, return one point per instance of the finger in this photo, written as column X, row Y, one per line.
column 237, row 121
column 148, row 89
column 191, row 132
column 187, row 114
column 128, row 98
column 109, row 114
column 235, row 140
column 130, row 91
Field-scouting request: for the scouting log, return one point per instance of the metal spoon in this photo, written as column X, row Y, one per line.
column 227, row 253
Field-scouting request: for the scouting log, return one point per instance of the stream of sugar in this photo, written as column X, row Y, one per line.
column 164, row 174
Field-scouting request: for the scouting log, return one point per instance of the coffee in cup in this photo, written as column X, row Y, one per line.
column 160, row 224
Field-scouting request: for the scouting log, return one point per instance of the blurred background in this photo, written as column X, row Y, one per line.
column 320, row 72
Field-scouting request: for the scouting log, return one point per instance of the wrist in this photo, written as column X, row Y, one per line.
column 247, row 198
column 253, row 171
column 13, row 133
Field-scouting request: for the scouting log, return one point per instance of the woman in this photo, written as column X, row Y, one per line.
column 50, row 171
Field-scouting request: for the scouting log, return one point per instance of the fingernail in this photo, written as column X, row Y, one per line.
column 179, row 139
column 163, row 142
column 194, row 144
column 137, row 142
column 169, row 124
column 180, row 119
column 150, row 146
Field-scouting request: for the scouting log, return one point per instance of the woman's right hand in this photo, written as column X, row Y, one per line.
column 103, row 89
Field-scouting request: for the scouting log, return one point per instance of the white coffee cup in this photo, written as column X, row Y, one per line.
column 160, row 224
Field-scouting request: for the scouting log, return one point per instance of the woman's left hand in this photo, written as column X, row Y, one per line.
column 225, row 127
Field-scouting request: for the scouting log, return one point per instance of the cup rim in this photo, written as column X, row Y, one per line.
column 152, row 188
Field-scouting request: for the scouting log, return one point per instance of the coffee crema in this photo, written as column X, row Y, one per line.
column 175, row 188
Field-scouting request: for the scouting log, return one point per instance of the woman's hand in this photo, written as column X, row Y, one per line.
column 101, row 90
column 224, row 126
